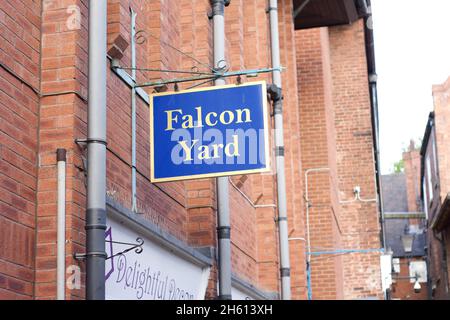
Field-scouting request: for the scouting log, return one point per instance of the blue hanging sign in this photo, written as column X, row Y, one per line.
column 209, row 132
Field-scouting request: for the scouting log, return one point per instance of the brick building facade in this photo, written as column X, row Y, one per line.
column 334, row 127
column 435, row 186
column 328, row 124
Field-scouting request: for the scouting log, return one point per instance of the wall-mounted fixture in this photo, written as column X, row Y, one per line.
column 417, row 286
column 407, row 240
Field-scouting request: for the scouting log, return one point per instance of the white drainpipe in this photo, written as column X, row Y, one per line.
column 61, row 224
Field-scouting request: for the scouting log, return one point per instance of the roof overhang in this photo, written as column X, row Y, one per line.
column 323, row 13
column 426, row 136
column 442, row 218
column 423, row 149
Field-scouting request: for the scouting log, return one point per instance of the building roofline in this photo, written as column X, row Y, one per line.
column 426, row 135
column 328, row 13
column 441, row 87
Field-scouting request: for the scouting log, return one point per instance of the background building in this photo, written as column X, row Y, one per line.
column 435, row 187
column 405, row 229
column 329, row 89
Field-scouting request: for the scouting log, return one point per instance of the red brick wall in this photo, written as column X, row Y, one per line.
column 355, row 160
column 403, row 289
column 51, row 56
column 261, row 188
column 292, row 140
column 336, row 134
column 318, row 151
column 19, row 109
column 62, row 120
column 437, row 266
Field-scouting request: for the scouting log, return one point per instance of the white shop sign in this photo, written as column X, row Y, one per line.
column 242, row 292
column 154, row 274
column 419, row 269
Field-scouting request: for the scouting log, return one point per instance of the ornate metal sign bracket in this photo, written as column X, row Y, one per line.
column 137, row 247
column 195, row 74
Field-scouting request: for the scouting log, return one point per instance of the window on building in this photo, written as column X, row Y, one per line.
column 435, row 157
column 425, row 199
column 396, row 265
column 419, row 269
column 429, row 182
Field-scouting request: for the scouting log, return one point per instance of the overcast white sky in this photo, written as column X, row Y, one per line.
column 412, row 46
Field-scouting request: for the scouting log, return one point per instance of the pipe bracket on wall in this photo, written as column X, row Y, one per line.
column 279, row 151
column 285, row 272
column 275, row 92
column 91, row 140
column 224, row 232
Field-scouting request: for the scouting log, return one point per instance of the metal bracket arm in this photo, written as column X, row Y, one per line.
column 137, row 247
column 213, row 76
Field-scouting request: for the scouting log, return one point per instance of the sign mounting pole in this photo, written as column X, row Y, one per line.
column 277, row 98
column 223, row 212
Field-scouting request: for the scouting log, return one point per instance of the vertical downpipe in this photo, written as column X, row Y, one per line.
column 96, row 144
column 223, row 219
column 277, row 98
column 133, row 112
column 61, row 225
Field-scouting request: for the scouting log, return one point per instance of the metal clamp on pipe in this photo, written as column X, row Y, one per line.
column 224, row 232
column 276, row 95
column 91, row 140
column 84, row 256
column 274, row 92
column 279, row 151
column 218, row 7
column 285, row 272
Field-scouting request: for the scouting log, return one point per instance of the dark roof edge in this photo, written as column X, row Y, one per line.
column 426, row 135
column 357, row 10
column 423, row 148
column 442, row 218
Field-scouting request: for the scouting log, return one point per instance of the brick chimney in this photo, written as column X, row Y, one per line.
column 411, row 159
